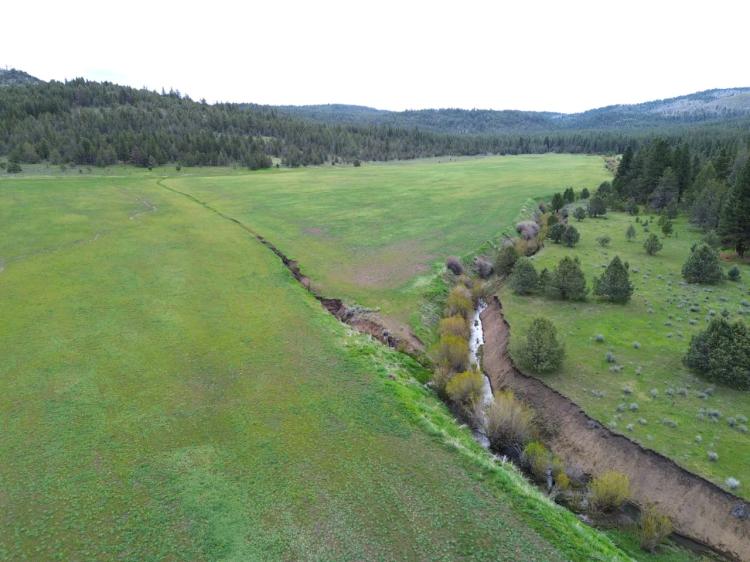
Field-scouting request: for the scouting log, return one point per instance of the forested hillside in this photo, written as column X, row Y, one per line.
column 90, row 123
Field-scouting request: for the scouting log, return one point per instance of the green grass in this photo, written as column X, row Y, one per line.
column 375, row 235
column 167, row 390
column 660, row 298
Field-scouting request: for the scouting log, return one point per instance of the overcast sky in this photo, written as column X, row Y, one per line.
column 558, row 56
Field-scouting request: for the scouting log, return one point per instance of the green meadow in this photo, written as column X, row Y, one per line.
column 376, row 235
column 169, row 391
column 647, row 394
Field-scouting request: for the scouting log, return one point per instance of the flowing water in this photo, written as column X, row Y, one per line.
column 476, row 341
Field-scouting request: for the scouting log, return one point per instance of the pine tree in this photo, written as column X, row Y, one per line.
column 630, row 233
column 734, row 224
column 524, row 279
column 614, row 284
column 542, row 352
column 567, row 282
column 666, row 192
column 702, row 266
column 652, row 245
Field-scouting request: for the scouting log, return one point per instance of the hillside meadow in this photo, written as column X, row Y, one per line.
column 646, row 393
column 168, row 390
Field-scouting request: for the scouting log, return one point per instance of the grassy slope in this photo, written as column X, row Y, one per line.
column 371, row 234
column 658, row 282
column 167, row 390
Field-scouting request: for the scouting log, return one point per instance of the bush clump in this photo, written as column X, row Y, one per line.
column 459, row 302
column 721, row 353
column 702, row 266
column 542, row 352
column 506, row 259
column 537, row 457
column 609, row 491
column 734, row 273
column 653, row 528
column 527, row 229
column 524, row 279
column 509, row 422
column 454, row 265
column 567, row 281
column 483, row 267
column 652, row 245
column 455, row 326
column 453, row 352
column 614, row 284
column 465, row 390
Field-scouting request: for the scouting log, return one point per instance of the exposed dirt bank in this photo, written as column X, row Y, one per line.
column 699, row 509
column 362, row 320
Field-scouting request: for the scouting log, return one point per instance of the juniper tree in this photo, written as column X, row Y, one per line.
column 524, row 279
column 721, row 353
column 702, row 266
column 542, row 352
column 506, row 259
column 557, row 202
column 555, row 233
column 630, row 233
column 570, row 236
column 567, row 281
column 614, row 284
column 597, row 206
column 652, row 245
column 579, row 214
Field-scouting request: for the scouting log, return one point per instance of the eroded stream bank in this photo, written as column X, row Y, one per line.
column 700, row 510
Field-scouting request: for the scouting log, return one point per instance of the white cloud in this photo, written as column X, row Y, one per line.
column 560, row 56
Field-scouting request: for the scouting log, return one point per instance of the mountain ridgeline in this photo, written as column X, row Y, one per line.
column 98, row 124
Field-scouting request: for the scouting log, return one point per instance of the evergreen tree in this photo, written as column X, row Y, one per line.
column 567, row 282
column 734, row 224
column 556, row 232
column 702, row 266
column 542, row 353
column 570, row 236
column 524, row 279
column 597, row 206
column 721, row 353
column 666, row 192
column 585, row 193
column 652, row 245
column 506, row 259
column 630, row 233
column 569, row 195
column 614, row 284
column 557, row 202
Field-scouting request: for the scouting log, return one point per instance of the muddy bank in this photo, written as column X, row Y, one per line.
column 699, row 509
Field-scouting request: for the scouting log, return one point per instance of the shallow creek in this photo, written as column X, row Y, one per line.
column 476, row 341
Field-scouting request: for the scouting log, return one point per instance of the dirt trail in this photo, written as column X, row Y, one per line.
column 699, row 509
column 364, row 321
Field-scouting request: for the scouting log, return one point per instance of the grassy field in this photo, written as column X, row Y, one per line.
column 373, row 235
column 168, row 391
column 659, row 318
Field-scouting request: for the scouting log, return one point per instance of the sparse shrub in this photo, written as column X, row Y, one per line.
column 459, row 302
column 567, row 282
column 570, row 236
column 652, row 245
column 506, row 259
column 454, row 265
column 713, row 456
column 509, row 422
column 614, row 284
column 732, row 483
column 579, row 214
column 542, row 352
column 721, row 353
column 610, row 357
column 455, row 326
column 654, row 527
column 555, row 232
column 609, row 491
column 604, row 241
column 483, row 267
column 636, row 345
column 599, row 338
column 734, row 273
column 524, row 279
column 453, row 352
column 527, row 229
column 633, row 406
column 702, row 266
column 465, row 389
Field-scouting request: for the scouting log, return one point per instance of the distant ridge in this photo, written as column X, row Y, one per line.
column 14, row 77
column 701, row 107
